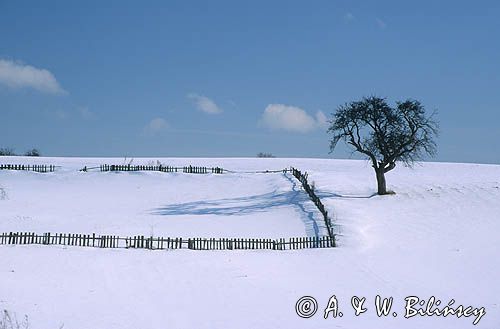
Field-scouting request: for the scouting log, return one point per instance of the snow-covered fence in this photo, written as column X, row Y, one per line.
column 185, row 169
column 310, row 191
column 161, row 243
column 37, row 168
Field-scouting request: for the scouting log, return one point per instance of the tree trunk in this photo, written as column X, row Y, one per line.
column 382, row 189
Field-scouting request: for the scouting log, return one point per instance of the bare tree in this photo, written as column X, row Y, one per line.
column 7, row 151
column 385, row 134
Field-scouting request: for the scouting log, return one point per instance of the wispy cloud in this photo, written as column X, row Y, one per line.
column 156, row 125
column 86, row 114
column 291, row 118
column 348, row 17
column 381, row 24
column 18, row 75
column 60, row 114
column 321, row 120
column 205, row 104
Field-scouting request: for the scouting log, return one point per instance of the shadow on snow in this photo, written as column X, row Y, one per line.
column 249, row 205
column 328, row 195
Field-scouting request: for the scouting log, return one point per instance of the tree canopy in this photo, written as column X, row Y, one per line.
column 385, row 134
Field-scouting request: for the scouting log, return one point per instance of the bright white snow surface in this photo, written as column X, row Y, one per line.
column 438, row 236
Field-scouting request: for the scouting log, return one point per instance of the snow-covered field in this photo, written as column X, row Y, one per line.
column 438, row 236
column 159, row 204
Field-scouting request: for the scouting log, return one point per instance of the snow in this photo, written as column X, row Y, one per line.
column 437, row 236
column 153, row 203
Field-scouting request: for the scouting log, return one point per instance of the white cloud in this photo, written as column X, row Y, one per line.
column 156, row 125
column 381, row 24
column 18, row 75
column 291, row 118
column 205, row 104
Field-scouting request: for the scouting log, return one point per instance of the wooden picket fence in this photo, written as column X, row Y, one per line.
column 111, row 241
column 302, row 177
column 186, row 169
column 37, row 168
column 161, row 243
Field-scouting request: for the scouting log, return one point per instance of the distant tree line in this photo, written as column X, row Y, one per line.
column 265, row 155
column 10, row 151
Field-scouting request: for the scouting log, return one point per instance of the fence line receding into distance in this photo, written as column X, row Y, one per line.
column 162, row 168
column 37, row 168
column 317, row 201
column 161, row 243
column 270, row 244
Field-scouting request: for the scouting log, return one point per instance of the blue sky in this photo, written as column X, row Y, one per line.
column 234, row 78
